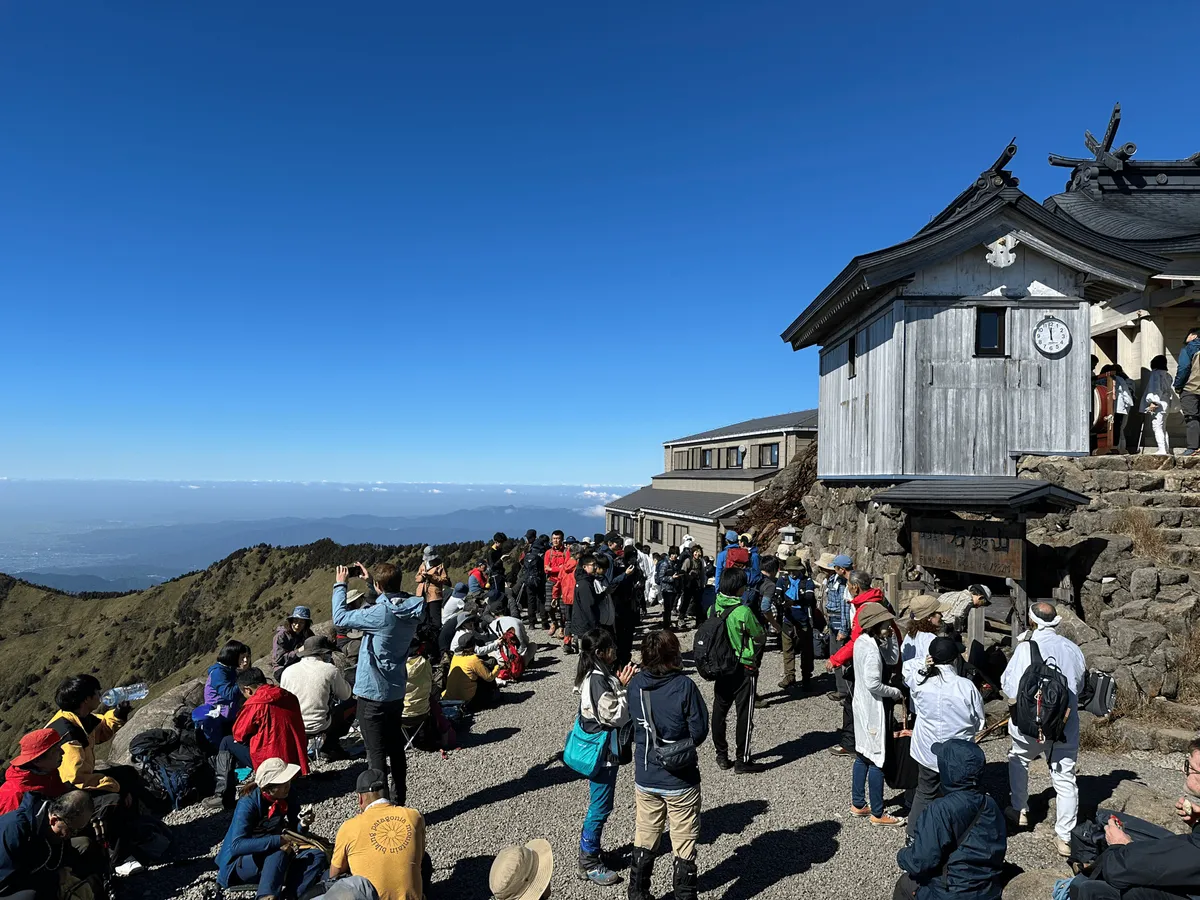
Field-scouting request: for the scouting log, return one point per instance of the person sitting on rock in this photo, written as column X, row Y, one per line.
column 37, row 859
column 289, row 638
column 34, row 770
column 1165, row 868
column 324, row 696
column 957, row 848
column 222, row 699
column 255, row 849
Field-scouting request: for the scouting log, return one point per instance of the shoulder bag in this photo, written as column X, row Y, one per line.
column 674, row 756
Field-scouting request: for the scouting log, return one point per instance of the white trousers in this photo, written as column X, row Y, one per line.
column 1158, row 426
column 1062, row 776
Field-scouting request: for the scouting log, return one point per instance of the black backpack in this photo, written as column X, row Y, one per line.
column 175, row 770
column 712, row 651
column 1043, row 699
column 1099, row 695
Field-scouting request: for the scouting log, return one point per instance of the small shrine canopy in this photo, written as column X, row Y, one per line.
column 1002, row 497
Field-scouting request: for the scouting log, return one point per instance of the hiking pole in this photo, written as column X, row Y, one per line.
column 995, row 726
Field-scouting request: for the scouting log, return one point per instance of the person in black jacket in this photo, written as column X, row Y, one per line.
column 1164, row 869
column 592, row 606
column 35, row 845
column 957, row 848
column 666, row 708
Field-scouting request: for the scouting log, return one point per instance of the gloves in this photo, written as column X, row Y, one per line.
column 123, row 710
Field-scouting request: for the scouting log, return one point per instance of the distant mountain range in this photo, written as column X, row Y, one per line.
column 137, row 558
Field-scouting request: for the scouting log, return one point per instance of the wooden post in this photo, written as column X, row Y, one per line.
column 891, row 590
column 975, row 627
column 1020, row 610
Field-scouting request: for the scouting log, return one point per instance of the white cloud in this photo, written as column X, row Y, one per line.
column 379, row 490
column 597, row 510
column 190, row 487
column 433, row 491
column 509, row 491
column 598, row 495
column 362, row 490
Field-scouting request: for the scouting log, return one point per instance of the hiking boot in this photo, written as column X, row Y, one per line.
column 786, row 683
column 684, row 879
column 553, row 631
column 806, row 685
column 723, row 762
column 216, row 802
column 886, row 821
column 746, row 768
column 332, row 751
column 839, row 750
column 836, row 697
column 761, row 703
column 640, row 870
column 1016, row 819
column 593, row 869
column 1063, row 848
column 860, row 811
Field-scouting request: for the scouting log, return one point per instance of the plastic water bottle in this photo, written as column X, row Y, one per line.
column 114, row 697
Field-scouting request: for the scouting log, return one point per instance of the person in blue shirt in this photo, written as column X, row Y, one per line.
column 1187, row 386
column 731, row 540
column 839, row 616
column 794, row 599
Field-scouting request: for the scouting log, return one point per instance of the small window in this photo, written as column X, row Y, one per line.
column 706, row 459
column 733, row 458
column 852, row 355
column 768, row 456
column 679, row 460
column 656, row 531
column 677, row 533
column 989, row 331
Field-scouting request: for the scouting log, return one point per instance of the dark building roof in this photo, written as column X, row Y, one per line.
column 1123, row 221
column 1155, row 203
column 720, row 474
column 804, row 420
column 698, row 504
column 1007, row 495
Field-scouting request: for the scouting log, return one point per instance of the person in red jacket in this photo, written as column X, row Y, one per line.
column 34, row 769
column 566, row 590
column 553, row 562
column 858, row 588
column 270, row 722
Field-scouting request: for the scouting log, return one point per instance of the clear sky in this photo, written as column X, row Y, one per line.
column 488, row 241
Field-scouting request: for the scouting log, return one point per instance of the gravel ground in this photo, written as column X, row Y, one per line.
column 785, row 832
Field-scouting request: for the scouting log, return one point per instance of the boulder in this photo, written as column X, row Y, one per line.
column 1139, row 800
column 1074, row 628
column 1146, row 481
column 1103, row 481
column 1172, row 592
column 1176, row 617
column 1143, row 583
column 1129, row 637
column 1170, row 686
column 158, row 712
column 1134, row 609
column 1037, row 885
column 1172, row 576
column 1149, row 679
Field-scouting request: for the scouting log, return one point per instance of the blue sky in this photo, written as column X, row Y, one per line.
column 519, row 242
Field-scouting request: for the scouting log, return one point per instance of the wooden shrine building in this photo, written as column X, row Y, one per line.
column 969, row 345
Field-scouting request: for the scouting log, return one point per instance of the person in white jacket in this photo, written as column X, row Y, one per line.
column 871, row 718
column 1157, row 400
column 1060, row 756
column 947, row 706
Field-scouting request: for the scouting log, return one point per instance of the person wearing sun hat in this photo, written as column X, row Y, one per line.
column 921, row 626
column 871, row 696
column 34, row 769
column 522, row 872
column 289, row 638
column 255, row 849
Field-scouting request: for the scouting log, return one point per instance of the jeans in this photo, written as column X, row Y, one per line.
column 383, row 737
column 736, row 690
column 239, row 752
column 601, row 794
column 867, row 775
column 277, row 871
column 1191, row 414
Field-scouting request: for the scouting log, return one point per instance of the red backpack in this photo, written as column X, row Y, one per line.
column 512, row 666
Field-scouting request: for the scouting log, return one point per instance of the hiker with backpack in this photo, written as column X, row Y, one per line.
column 554, row 562
column 593, row 606
column 956, row 851
column 731, row 657
column 947, row 706
column 603, row 709
column 794, row 602
column 670, row 723
column 1045, row 675
column 695, row 576
column 214, row 717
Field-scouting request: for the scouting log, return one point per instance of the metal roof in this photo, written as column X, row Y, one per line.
column 706, row 505
column 1013, row 495
column 804, row 420
column 746, row 474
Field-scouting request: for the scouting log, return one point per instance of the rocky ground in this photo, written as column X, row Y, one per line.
column 783, row 833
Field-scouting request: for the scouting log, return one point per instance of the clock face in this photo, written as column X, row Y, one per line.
column 1051, row 336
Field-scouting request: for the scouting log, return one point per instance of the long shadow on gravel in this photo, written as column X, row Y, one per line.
column 732, row 818
column 491, row 736
column 798, row 748
column 546, row 774
column 770, row 858
column 468, row 879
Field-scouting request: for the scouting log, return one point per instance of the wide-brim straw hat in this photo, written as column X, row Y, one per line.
column 826, row 562
column 872, row 614
column 522, row 873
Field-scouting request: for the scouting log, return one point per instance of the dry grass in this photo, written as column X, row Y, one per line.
column 1147, row 538
column 1101, row 736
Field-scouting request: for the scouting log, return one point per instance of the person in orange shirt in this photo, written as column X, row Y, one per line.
column 384, row 843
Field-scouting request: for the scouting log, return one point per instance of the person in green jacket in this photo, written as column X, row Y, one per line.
column 748, row 637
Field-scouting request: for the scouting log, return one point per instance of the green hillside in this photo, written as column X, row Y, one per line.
column 170, row 633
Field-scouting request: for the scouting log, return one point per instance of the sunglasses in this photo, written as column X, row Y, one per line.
column 1188, row 770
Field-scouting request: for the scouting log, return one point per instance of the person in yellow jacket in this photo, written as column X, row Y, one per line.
column 468, row 674
column 78, row 698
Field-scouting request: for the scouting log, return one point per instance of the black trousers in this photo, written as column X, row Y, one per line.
column 1191, row 414
column 846, row 735
column 1084, row 889
column 736, row 690
column 383, row 736
column 928, row 789
column 906, row 888
column 668, row 604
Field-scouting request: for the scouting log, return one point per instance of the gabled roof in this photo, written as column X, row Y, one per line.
column 990, row 209
column 703, row 505
column 804, row 420
column 1009, row 495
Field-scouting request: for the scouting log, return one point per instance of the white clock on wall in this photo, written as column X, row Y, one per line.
column 1052, row 336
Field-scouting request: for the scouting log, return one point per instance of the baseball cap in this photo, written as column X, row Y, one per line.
column 372, row 781
column 843, row 561
column 274, row 771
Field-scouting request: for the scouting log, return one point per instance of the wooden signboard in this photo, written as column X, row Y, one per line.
column 980, row 548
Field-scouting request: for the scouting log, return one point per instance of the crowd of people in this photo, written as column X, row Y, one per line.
column 400, row 669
